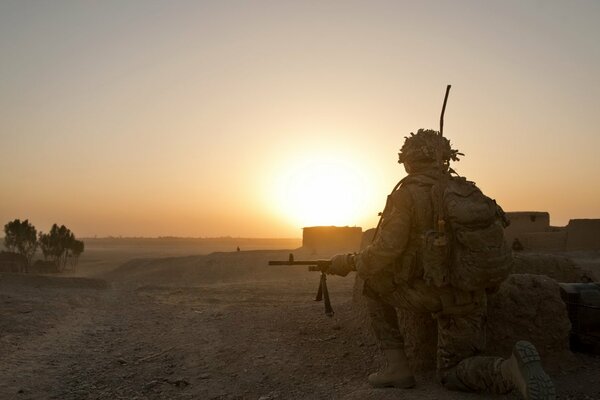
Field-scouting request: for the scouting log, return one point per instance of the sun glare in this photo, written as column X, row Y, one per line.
column 322, row 192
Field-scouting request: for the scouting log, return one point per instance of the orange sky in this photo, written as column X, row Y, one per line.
column 230, row 118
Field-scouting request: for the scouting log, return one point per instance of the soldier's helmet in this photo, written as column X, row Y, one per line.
column 427, row 146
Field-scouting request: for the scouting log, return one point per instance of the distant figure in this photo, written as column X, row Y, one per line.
column 517, row 245
column 406, row 266
column 238, row 248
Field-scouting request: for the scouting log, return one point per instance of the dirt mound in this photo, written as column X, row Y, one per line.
column 527, row 307
column 213, row 268
column 559, row 267
column 12, row 262
column 44, row 281
column 589, row 261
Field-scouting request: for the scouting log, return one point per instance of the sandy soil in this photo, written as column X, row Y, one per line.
column 219, row 326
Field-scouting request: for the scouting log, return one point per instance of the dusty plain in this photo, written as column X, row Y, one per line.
column 189, row 319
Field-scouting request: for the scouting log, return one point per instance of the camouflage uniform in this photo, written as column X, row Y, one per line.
column 393, row 272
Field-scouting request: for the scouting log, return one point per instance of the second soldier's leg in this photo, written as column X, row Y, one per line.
column 462, row 338
column 522, row 371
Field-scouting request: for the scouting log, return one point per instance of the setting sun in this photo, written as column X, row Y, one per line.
column 322, row 192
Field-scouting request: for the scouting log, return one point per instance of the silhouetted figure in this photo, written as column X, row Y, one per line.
column 406, row 266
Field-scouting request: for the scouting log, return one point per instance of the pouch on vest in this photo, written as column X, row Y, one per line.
column 435, row 259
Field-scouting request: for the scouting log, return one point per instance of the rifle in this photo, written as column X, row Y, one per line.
column 314, row 265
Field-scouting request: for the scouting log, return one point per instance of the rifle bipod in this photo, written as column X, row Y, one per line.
column 314, row 265
column 323, row 294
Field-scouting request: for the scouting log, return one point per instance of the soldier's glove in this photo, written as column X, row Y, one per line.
column 341, row 264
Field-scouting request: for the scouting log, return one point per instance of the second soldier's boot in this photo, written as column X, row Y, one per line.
column 396, row 374
column 525, row 371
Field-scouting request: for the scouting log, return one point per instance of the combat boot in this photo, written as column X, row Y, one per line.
column 396, row 373
column 524, row 370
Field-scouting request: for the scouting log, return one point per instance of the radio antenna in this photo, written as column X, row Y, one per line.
column 444, row 110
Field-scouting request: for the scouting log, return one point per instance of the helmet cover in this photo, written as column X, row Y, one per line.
column 425, row 146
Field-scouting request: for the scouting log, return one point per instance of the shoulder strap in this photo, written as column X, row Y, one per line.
column 422, row 179
column 404, row 180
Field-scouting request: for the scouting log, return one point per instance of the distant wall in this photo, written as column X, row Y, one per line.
column 543, row 241
column 583, row 234
column 331, row 239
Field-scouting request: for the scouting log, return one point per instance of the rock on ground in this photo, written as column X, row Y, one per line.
column 562, row 268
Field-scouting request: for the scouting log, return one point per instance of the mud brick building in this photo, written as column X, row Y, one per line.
column 533, row 230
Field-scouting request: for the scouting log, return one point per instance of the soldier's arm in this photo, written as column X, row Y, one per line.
column 391, row 239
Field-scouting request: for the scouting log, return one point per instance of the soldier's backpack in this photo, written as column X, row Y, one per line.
column 466, row 249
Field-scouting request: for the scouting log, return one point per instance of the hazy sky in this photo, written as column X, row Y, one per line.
column 255, row 118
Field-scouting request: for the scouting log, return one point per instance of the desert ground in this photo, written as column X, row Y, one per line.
column 174, row 320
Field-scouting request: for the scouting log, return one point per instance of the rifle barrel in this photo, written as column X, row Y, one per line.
column 311, row 262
